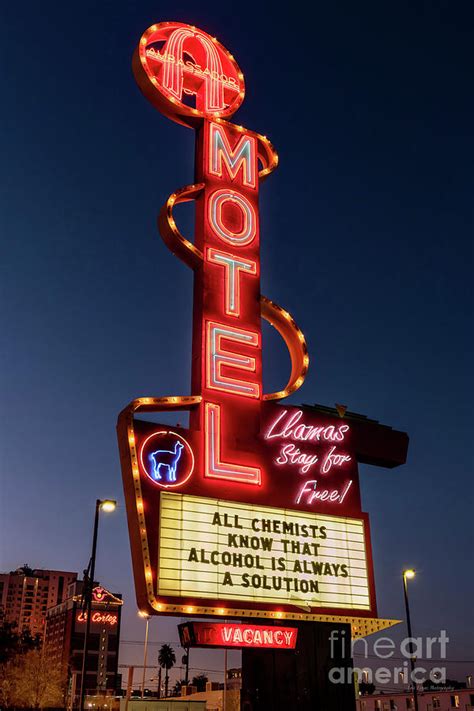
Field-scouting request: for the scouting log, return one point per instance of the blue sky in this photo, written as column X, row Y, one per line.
column 366, row 239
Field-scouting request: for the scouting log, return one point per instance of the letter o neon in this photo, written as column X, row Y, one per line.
column 216, row 202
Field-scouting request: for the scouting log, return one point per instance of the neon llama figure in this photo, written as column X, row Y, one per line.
column 168, row 459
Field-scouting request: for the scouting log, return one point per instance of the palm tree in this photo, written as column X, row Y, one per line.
column 166, row 660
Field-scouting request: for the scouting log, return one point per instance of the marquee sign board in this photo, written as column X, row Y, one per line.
column 195, row 494
column 221, row 550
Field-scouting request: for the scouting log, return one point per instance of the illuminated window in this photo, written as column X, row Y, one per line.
column 455, row 701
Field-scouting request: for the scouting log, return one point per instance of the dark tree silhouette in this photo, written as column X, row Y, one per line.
column 12, row 643
column 200, row 681
column 166, row 660
column 176, row 690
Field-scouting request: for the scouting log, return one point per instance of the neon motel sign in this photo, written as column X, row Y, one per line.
column 242, row 451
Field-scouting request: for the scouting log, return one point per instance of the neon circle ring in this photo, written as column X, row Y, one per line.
column 187, row 74
column 167, row 459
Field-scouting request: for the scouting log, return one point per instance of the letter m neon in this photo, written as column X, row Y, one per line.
column 242, row 157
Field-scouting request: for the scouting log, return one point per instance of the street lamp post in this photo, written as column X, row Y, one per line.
column 145, row 649
column 409, row 575
column 106, row 505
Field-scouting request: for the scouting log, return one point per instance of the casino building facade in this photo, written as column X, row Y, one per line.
column 27, row 593
column 64, row 639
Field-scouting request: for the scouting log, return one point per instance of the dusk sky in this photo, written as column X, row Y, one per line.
column 366, row 233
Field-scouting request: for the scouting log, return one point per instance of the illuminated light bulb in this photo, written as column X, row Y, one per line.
column 143, row 40
column 409, row 574
column 153, row 28
column 190, row 610
column 108, row 505
column 221, row 611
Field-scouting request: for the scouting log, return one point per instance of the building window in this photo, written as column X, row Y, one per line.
column 436, row 702
column 455, row 701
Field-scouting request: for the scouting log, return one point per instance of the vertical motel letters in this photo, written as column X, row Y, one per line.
column 227, row 293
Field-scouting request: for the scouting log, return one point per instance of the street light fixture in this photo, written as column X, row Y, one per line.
column 106, row 505
column 146, row 617
column 409, row 574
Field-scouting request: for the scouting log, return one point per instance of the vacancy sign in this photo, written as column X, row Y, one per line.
column 228, row 634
